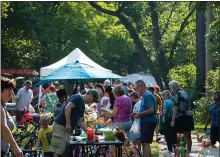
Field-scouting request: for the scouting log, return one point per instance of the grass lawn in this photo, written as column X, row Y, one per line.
column 199, row 129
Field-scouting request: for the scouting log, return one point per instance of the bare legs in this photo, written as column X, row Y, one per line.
column 146, row 150
column 188, row 140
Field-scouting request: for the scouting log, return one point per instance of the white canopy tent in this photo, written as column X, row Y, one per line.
column 148, row 79
column 75, row 55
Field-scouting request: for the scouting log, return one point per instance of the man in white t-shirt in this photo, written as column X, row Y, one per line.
column 23, row 100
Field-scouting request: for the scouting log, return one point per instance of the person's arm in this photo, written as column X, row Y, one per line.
column 164, row 112
column 150, row 110
column 56, row 112
column 94, row 105
column 37, row 144
column 111, row 113
column 207, row 121
column 82, row 124
column 175, row 109
column 17, row 99
column 148, row 102
column 160, row 104
column 7, row 135
column 165, row 108
column 68, row 109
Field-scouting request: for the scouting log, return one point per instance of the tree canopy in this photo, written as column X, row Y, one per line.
column 126, row 37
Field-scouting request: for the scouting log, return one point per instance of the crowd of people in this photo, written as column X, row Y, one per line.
column 136, row 108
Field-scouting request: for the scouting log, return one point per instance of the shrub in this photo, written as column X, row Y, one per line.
column 202, row 108
column 185, row 75
column 213, row 80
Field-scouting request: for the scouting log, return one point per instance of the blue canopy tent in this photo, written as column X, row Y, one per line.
column 77, row 71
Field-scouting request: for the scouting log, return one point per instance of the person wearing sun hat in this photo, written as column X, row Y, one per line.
column 69, row 117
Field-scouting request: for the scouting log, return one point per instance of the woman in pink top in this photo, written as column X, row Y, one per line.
column 121, row 111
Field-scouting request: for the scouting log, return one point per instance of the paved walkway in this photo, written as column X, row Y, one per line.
column 195, row 145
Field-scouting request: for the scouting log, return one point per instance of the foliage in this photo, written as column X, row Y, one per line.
column 185, row 75
column 37, row 34
column 213, row 80
column 214, row 34
column 202, row 105
column 202, row 109
column 4, row 9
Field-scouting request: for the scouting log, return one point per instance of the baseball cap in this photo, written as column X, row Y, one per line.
column 94, row 93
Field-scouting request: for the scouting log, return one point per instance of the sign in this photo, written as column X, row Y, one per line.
column 19, row 71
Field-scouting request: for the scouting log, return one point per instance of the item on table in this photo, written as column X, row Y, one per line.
column 109, row 135
column 90, row 124
column 120, row 134
column 90, row 134
column 86, row 117
column 96, row 139
column 100, row 121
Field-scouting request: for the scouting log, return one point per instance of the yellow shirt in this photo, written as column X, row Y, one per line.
column 45, row 135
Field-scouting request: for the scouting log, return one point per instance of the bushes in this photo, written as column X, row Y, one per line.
column 213, row 80
column 202, row 108
column 202, row 105
column 185, row 75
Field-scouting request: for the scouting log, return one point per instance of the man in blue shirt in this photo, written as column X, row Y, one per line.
column 69, row 117
column 147, row 114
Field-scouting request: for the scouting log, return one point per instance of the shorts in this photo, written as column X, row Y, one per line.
column 147, row 132
column 60, row 139
column 214, row 134
column 184, row 123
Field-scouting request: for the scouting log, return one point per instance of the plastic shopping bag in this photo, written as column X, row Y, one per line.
column 134, row 133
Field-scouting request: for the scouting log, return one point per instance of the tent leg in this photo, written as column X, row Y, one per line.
column 39, row 97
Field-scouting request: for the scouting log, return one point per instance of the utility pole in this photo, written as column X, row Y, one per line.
column 208, row 54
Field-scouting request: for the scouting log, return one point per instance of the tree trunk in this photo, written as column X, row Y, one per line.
column 208, row 54
column 200, row 50
column 140, row 47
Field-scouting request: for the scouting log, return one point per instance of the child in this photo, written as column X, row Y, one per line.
column 61, row 94
column 45, row 135
column 214, row 118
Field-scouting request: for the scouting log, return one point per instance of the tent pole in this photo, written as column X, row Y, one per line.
column 39, row 97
